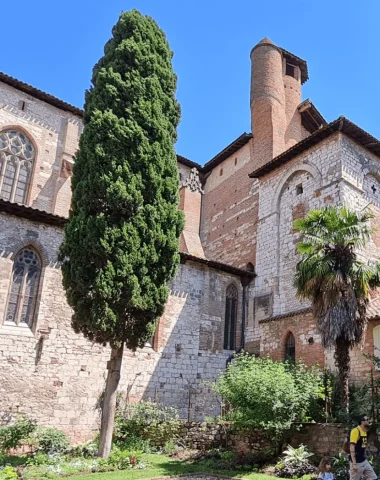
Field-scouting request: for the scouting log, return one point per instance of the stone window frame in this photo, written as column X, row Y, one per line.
column 30, row 137
column 26, row 330
column 230, row 317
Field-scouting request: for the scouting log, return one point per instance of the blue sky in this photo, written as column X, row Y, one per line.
column 54, row 45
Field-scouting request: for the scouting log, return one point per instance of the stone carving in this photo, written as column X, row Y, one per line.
column 67, row 169
column 193, row 182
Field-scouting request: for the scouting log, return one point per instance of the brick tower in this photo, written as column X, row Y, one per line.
column 276, row 80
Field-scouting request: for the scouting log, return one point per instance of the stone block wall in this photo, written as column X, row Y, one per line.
column 321, row 439
column 205, row 436
column 57, row 376
column 55, row 135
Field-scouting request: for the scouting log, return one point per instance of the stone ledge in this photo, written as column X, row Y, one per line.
column 16, row 330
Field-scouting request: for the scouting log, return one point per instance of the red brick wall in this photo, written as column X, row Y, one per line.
column 302, row 326
column 360, row 366
column 230, row 210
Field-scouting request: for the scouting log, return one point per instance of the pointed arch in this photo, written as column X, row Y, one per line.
column 304, row 167
column 17, row 160
column 290, row 347
column 23, row 291
column 230, row 318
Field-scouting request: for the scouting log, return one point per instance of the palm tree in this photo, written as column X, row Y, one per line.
column 335, row 280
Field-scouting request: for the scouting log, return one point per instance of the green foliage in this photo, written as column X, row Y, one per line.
column 340, row 467
column 87, row 450
column 339, row 462
column 14, row 434
column 330, row 274
column 121, row 241
column 44, row 466
column 122, row 459
column 296, row 455
column 268, row 395
column 295, row 463
column 148, row 421
column 135, row 443
column 51, row 440
column 8, row 473
column 362, row 399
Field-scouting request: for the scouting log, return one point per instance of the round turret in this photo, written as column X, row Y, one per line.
column 268, row 117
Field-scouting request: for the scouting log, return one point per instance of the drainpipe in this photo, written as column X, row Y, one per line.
column 245, row 282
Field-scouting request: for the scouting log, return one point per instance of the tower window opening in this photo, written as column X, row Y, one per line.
column 290, row 70
column 299, row 189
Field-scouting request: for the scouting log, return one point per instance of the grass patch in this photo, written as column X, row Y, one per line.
column 163, row 466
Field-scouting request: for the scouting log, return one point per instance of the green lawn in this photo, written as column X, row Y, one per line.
column 161, row 466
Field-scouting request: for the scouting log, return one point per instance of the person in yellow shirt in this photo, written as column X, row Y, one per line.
column 360, row 466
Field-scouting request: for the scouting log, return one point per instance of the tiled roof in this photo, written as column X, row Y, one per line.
column 373, row 308
column 342, row 124
column 227, row 152
column 36, row 93
column 33, row 214
column 286, row 315
column 56, row 102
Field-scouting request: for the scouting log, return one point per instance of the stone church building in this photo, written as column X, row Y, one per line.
column 233, row 289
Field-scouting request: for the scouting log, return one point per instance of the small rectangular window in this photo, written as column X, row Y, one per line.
column 290, row 70
column 22, row 105
column 299, row 189
column 221, row 172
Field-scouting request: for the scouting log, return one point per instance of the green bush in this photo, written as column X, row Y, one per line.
column 15, row 434
column 134, row 443
column 50, row 440
column 340, row 466
column 267, row 395
column 122, row 459
column 295, row 463
column 148, row 421
column 86, row 450
column 8, row 473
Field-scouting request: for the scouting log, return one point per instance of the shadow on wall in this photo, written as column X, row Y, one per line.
column 187, row 353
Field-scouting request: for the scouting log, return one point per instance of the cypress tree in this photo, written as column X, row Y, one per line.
column 121, row 242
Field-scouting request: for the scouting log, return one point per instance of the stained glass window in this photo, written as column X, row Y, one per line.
column 230, row 317
column 23, row 293
column 16, row 161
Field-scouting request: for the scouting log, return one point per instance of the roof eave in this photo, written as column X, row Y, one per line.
column 342, row 125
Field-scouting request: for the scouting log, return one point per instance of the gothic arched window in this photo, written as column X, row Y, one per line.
column 290, row 348
column 24, row 288
column 16, row 161
column 230, row 317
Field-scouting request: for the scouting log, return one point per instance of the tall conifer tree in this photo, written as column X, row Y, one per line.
column 121, row 241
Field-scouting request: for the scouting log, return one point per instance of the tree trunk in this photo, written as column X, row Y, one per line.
column 342, row 361
column 109, row 402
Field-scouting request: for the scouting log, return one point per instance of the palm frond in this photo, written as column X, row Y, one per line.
column 330, row 275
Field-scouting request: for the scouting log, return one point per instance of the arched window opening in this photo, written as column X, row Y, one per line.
column 376, row 344
column 24, row 288
column 230, row 317
column 290, row 348
column 250, row 267
column 16, row 160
